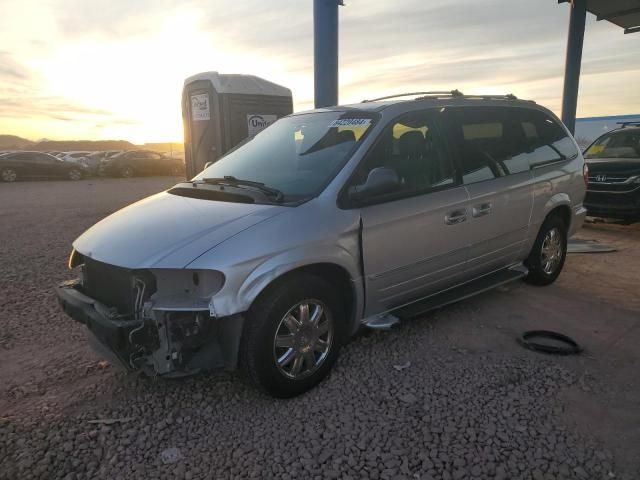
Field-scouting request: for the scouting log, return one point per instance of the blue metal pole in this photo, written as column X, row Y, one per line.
column 325, row 50
column 573, row 61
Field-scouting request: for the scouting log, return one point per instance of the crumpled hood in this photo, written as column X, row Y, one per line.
column 168, row 231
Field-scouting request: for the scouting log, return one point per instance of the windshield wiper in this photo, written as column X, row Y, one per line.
column 235, row 182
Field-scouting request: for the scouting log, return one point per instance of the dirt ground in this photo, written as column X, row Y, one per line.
column 65, row 414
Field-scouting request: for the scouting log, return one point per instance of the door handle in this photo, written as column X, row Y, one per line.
column 481, row 210
column 455, row 217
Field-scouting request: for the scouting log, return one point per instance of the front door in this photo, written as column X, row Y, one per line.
column 414, row 239
column 489, row 143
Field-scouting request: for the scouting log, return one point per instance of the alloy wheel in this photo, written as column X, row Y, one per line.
column 9, row 175
column 303, row 339
column 552, row 251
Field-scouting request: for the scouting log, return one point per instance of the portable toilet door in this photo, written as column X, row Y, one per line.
column 221, row 110
column 201, row 121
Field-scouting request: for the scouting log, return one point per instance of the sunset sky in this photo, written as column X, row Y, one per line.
column 89, row 69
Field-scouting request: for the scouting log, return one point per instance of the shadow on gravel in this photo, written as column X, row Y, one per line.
column 447, row 415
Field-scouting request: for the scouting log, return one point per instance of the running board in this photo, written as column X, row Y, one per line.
column 475, row 287
column 382, row 322
column 385, row 321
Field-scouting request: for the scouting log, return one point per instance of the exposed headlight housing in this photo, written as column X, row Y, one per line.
column 75, row 259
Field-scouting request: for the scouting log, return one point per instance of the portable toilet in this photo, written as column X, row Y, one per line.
column 221, row 110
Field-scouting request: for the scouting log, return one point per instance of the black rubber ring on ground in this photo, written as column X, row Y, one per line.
column 527, row 341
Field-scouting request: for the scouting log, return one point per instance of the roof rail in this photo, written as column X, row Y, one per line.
column 435, row 93
column 444, row 93
column 632, row 123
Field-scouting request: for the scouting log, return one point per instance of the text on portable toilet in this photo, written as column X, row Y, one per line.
column 257, row 123
column 200, row 107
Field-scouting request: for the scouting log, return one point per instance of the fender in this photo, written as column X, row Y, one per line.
column 556, row 200
column 274, row 267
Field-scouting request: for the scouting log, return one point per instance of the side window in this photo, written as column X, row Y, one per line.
column 545, row 140
column 484, row 140
column 411, row 147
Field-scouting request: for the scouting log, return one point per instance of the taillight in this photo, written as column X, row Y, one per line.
column 585, row 175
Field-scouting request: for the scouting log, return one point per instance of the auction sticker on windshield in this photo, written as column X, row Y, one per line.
column 350, row 122
column 200, row 107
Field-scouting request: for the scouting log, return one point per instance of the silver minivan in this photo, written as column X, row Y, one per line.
column 326, row 222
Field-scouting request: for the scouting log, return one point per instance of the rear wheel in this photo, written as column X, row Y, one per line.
column 75, row 174
column 549, row 252
column 293, row 335
column 126, row 172
column 8, row 175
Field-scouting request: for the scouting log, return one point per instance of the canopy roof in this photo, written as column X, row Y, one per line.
column 624, row 13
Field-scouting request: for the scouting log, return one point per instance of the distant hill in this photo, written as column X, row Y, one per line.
column 12, row 142
column 165, row 147
column 70, row 145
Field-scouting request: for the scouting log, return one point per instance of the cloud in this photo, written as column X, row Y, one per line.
column 385, row 47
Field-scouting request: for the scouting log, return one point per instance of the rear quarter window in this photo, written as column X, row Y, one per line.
column 545, row 140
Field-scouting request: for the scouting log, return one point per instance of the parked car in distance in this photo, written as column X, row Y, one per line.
column 325, row 222
column 73, row 157
column 140, row 162
column 614, row 174
column 94, row 159
column 23, row 165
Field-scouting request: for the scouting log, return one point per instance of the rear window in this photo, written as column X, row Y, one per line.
column 545, row 139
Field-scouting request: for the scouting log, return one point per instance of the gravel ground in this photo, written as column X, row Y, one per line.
column 448, row 396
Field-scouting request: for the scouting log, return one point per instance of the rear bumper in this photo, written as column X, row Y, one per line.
column 579, row 214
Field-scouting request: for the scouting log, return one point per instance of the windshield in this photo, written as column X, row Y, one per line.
column 617, row 145
column 297, row 155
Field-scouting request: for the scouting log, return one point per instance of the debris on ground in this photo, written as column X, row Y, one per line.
column 171, row 455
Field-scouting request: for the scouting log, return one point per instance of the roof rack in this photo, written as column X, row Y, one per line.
column 635, row 123
column 444, row 93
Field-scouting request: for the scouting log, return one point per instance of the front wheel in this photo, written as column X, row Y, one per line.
column 8, row 175
column 293, row 335
column 75, row 174
column 126, row 172
column 549, row 252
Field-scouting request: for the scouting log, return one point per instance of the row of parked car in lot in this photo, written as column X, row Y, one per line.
column 18, row 165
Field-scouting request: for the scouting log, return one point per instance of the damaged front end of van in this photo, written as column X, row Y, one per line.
column 159, row 321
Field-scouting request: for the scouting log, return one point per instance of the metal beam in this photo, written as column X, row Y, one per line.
column 575, row 40
column 619, row 13
column 325, row 51
column 632, row 30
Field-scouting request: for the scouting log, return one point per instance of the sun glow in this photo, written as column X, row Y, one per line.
column 131, row 88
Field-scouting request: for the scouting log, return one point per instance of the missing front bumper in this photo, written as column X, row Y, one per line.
column 166, row 344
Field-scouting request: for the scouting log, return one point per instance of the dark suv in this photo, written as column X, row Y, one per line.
column 614, row 174
column 141, row 162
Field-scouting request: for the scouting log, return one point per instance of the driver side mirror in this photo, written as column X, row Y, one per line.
column 379, row 181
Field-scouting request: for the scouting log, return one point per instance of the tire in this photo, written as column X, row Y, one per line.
column 545, row 265
column 126, row 172
column 8, row 175
column 74, row 174
column 303, row 357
